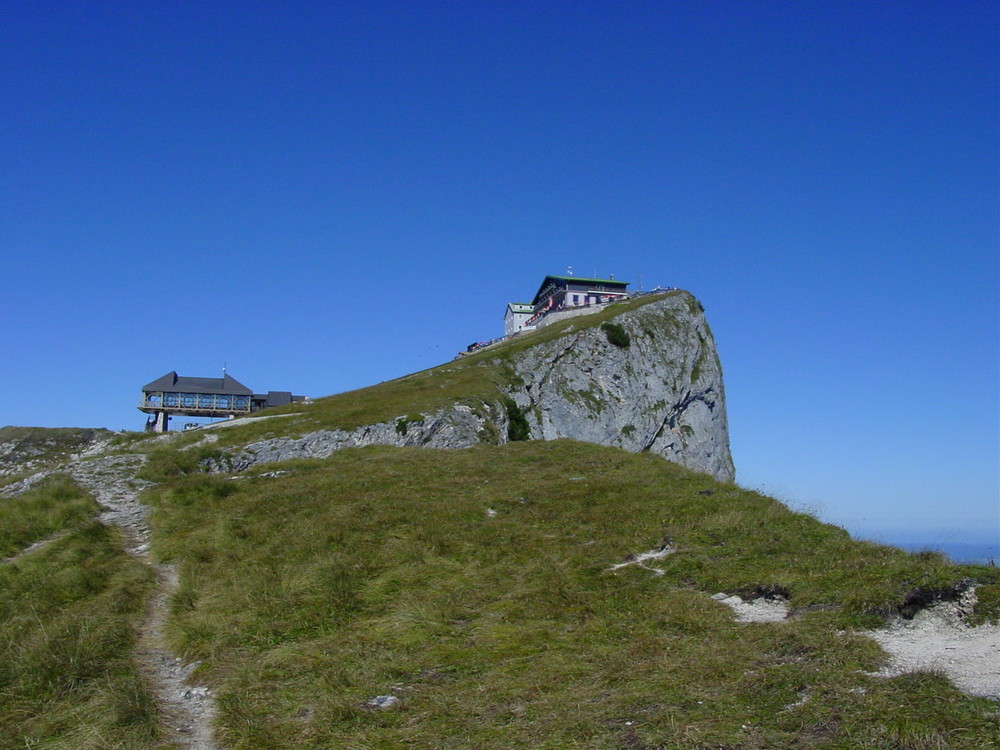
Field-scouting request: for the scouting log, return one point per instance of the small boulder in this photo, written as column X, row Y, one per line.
column 383, row 701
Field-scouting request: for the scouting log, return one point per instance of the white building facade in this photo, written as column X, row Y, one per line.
column 515, row 318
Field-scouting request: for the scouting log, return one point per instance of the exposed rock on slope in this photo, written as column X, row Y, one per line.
column 661, row 393
column 457, row 426
column 650, row 383
column 27, row 449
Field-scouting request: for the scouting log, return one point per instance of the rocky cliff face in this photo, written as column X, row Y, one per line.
column 648, row 380
column 661, row 392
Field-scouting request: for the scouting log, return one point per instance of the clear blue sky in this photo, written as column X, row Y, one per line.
column 327, row 195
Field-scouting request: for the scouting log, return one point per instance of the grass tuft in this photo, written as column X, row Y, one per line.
column 54, row 506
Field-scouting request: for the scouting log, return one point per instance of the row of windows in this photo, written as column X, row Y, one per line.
column 199, row 401
column 588, row 299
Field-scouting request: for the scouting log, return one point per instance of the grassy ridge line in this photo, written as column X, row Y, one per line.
column 474, row 586
column 472, row 379
column 67, row 616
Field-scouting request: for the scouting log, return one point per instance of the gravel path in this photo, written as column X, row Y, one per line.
column 188, row 709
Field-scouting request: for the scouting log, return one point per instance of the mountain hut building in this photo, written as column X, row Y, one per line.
column 559, row 292
column 225, row 397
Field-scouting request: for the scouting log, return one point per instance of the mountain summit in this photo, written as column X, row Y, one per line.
column 648, row 380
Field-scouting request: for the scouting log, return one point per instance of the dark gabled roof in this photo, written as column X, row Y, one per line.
column 578, row 280
column 275, row 398
column 586, row 280
column 173, row 382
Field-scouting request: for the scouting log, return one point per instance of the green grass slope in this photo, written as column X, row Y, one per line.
column 476, row 587
column 68, row 610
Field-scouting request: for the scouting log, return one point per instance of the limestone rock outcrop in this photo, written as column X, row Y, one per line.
column 457, row 426
column 662, row 392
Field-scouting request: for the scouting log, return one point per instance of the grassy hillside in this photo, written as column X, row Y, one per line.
column 68, row 607
column 475, row 586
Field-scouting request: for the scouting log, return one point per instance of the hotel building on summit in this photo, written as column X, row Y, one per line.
column 516, row 317
column 561, row 293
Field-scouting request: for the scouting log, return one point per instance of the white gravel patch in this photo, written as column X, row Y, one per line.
column 758, row 610
column 658, row 553
column 937, row 639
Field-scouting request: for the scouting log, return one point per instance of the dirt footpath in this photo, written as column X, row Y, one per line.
column 188, row 708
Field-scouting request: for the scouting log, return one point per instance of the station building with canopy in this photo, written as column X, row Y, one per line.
column 226, row 398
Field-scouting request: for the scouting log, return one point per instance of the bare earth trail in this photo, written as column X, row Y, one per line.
column 188, row 709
